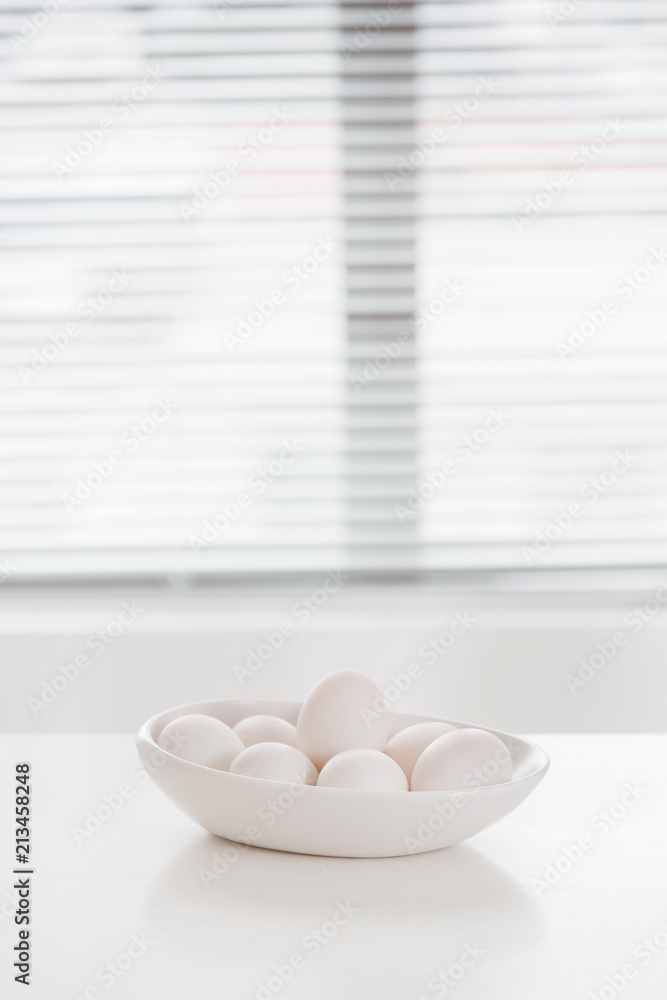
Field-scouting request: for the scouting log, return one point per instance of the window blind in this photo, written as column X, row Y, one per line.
column 294, row 286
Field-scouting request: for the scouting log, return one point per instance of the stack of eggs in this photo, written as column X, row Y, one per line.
column 341, row 740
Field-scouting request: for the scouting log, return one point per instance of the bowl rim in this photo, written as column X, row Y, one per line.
column 145, row 735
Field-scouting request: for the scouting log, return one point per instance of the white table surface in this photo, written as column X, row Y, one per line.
column 138, row 875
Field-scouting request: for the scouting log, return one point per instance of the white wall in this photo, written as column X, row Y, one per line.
column 507, row 670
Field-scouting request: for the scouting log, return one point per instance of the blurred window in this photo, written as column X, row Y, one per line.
column 293, row 286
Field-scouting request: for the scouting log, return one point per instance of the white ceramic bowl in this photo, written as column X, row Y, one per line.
column 334, row 822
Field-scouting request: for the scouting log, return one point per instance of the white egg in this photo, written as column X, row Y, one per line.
column 409, row 744
column 275, row 762
column 201, row 739
column 344, row 711
column 466, row 758
column 265, row 729
column 369, row 770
